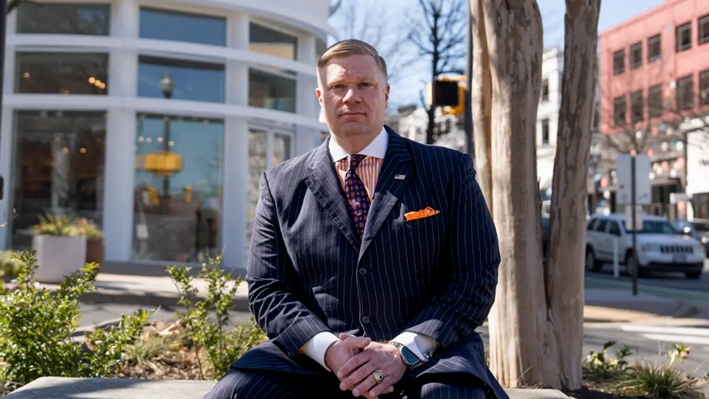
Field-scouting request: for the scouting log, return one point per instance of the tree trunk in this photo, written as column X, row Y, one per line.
column 481, row 101
column 565, row 272
column 431, row 127
column 513, row 30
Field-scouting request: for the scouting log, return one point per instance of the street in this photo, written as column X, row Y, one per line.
column 667, row 280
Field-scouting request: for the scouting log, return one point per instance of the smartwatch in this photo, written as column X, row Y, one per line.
column 409, row 358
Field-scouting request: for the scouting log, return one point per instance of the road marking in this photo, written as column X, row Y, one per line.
column 675, row 335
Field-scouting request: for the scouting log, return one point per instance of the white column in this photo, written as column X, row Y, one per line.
column 239, row 31
column 237, row 73
column 307, row 49
column 236, row 174
column 125, row 19
column 6, row 159
column 123, row 73
column 120, row 174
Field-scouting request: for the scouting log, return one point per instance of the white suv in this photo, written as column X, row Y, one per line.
column 660, row 247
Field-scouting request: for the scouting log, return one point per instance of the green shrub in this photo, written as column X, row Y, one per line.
column 36, row 327
column 207, row 320
column 10, row 263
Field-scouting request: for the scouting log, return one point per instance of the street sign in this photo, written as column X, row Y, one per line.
column 638, row 218
column 624, row 186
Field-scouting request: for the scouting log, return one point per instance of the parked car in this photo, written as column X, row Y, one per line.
column 697, row 228
column 661, row 248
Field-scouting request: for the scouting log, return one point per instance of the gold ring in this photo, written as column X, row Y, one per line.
column 378, row 377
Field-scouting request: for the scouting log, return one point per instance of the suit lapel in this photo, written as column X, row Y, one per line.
column 325, row 185
column 396, row 163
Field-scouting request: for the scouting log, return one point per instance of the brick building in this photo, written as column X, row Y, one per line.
column 654, row 81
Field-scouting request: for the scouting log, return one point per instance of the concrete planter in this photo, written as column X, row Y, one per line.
column 58, row 256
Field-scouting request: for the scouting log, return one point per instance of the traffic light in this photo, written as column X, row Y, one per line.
column 448, row 93
column 444, row 93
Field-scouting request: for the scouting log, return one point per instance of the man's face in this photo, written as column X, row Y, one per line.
column 353, row 96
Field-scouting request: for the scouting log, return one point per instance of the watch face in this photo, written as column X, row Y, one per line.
column 409, row 357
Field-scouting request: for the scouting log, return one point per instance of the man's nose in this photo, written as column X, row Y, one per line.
column 352, row 94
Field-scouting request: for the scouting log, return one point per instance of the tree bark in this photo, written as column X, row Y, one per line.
column 565, row 271
column 513, row 30
column 481, row 101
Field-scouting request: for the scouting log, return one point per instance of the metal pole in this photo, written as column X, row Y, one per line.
column 635, row 227
column 469, row 145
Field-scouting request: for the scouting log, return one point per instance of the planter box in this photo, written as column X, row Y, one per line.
column 58, row 257
column 94, row 251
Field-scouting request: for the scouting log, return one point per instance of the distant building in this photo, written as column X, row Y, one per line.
column 95, row 93
column 411, row 122
column 654, row 76
column 548, row 117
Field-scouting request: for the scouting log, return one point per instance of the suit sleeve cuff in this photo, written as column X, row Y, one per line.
column 316, row 347
column 421, row 345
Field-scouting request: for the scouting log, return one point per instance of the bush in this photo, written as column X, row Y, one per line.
column 599, row 367
column 222, row 347
column 10, row 263
column 36, row 327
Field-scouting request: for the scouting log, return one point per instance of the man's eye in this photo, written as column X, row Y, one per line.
column 365, row 84
column 338, row 86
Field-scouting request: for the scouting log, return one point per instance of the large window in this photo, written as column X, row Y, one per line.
column 637, row 107
column 268, row 41
column 704, row 29
column 619, row 111
column 684, row 37
column 636, row 55
column 59, row 168
column 545, row 90
column 267, row 148
column 62, row 73
column 655, row 107
column 545, row 131
column 178, row 188
column 704, row 87
column 62, row 18
column 268, row 90
column 654, row 48
column 685, row 93
column 619, row 62
column 182, row 27
column 190, row 80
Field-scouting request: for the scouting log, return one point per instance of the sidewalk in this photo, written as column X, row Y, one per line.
column 602, row 305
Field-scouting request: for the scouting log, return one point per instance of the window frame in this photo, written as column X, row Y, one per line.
column 617, row 122
column 679, row 30
column 636, row 49
column 681, row 96
column 703, row 29
column 637, row 117
column 651, row 42
column 545, row 124
column 703, row 87
column 654, row 111
column 618, row 70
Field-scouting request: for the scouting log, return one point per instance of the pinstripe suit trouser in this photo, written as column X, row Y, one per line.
column 246, row 384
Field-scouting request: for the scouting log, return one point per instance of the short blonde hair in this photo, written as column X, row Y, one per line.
column 349, row 47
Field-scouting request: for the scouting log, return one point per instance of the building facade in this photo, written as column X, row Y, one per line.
column 654, row 76
column 548, row 117
column 155, row 118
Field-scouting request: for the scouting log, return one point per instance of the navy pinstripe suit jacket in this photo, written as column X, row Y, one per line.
column 308, row 272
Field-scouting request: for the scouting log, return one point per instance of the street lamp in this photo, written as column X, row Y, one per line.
column 167, row 85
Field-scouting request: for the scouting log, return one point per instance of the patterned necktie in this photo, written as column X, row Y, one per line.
column 356, row 194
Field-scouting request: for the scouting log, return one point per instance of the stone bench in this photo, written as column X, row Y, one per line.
column 78, row 388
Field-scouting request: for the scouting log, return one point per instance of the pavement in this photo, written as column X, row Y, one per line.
column 606, row 301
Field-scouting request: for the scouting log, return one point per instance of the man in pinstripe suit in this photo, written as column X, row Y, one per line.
column 373, row 259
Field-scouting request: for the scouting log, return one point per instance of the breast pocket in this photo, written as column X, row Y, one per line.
column 430, row 222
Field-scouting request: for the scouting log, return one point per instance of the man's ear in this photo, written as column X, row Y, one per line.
column 318, row 93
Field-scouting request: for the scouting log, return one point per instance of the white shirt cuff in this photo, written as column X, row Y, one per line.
column 316, row 347
column 421, row 345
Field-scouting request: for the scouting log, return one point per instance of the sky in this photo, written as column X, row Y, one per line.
column 406, row 90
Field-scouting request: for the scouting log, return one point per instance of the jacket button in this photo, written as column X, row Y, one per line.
column 362, row 271
column 365, row 320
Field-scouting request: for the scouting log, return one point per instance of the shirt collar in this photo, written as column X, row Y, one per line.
column 376, row 149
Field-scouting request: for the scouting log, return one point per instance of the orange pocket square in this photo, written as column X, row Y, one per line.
column 424, row 213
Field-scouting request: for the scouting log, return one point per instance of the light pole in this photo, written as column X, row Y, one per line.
column 167, row 85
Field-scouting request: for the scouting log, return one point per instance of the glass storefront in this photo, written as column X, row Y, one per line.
column 58, row 168
column 178, row 188
column 183, row 27
column 272, row 91
column 63, row 18
column 191, row 80
column 62, row 73
column 267, row 148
